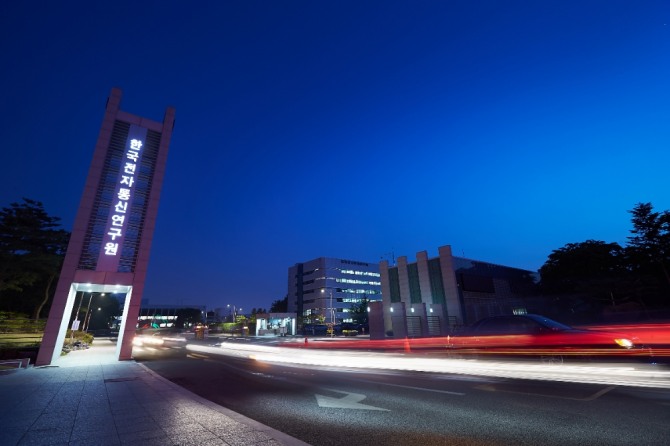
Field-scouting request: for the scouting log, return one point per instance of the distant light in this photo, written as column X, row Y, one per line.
column 391, row 309
column 368, row 309
column 431, row 310
column 412, row 310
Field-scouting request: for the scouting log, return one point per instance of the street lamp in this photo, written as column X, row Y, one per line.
column 87, row 319
column 234, row 313
column 88, row 310
column 332, row 309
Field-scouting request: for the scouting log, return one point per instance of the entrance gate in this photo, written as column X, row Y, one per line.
column 111, row 238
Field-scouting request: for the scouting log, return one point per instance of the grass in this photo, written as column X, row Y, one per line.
column 18, row 340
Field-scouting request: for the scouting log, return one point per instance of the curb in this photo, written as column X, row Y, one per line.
column 283, row 438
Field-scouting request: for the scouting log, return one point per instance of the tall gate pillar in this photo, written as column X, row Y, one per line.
column 111, row 237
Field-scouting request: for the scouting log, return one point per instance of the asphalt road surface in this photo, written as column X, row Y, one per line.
column 350, row 407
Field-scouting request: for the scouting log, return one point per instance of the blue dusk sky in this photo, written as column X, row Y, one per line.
column 348, row 129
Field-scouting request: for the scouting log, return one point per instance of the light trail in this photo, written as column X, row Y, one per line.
column 635, row 375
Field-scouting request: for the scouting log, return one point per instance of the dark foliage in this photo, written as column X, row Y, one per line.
column 279, row 306
column 32, row 248
column 606, row 278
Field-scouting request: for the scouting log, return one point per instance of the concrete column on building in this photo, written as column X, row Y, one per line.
column 451, row 293
column 376, row 320
column 424, row 277
column 399, row 320
column 403, row 280
column 386, row 295
column 419, row 311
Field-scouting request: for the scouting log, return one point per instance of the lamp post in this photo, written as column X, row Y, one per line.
column 332, row 310
column 88, row 310
column 87, row 319
column 234, row 313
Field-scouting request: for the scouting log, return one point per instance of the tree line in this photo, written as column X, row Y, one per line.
column 32, row 249
column 595, row 276
column 585, row 276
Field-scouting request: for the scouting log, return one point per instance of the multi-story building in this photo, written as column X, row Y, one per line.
column 432, row 296
column 325, row 289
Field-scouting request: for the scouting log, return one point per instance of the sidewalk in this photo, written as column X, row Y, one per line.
column 90, row 398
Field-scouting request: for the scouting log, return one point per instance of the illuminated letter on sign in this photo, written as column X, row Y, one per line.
column 119, row 214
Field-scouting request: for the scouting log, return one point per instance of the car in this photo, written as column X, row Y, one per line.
column 158, row 343
column 349, row 329
column 532, row 334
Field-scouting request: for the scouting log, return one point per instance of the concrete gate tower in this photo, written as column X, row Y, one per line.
column 111, row 237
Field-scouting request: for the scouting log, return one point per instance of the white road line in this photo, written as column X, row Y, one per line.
column 414, row 388
column 598, row 394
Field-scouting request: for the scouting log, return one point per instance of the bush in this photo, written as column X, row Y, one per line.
column 80, row 336
column 76, row 336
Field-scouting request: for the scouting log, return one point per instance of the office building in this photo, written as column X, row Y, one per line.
column 432, row 296
column 323, row 290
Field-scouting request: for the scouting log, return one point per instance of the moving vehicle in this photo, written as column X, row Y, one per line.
column 158, row 343
column 532, row 334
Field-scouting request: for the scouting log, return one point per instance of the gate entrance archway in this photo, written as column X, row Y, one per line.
column 111, row 236
column 77, row 298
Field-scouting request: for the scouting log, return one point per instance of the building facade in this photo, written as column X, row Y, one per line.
column 108, row 251
column 432, row 296
column 324, row 289
column 165, row 315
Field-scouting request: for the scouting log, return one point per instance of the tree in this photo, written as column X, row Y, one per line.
column 359, row 311
column 584, row 278
column 32, row 249
column 649, row 247
column 187, row 317
column 279, row 306
column 637, row 274
column 589, row 266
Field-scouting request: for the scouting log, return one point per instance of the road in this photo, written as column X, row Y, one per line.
column 327, row 405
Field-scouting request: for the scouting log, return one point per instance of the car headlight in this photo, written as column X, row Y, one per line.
column 625, row 343
column 153, row 341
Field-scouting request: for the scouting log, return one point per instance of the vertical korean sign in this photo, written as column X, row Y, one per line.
column 119, row 215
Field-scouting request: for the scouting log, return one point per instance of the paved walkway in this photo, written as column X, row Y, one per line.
column 90, row 398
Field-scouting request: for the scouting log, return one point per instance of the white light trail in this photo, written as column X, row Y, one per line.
column 637, row 375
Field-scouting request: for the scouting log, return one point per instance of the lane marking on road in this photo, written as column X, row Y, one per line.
column 598, row 394
column 348, row 401
column 197, row 356
column 446, row 392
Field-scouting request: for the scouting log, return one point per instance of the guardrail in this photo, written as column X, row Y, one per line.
column 14, row 363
